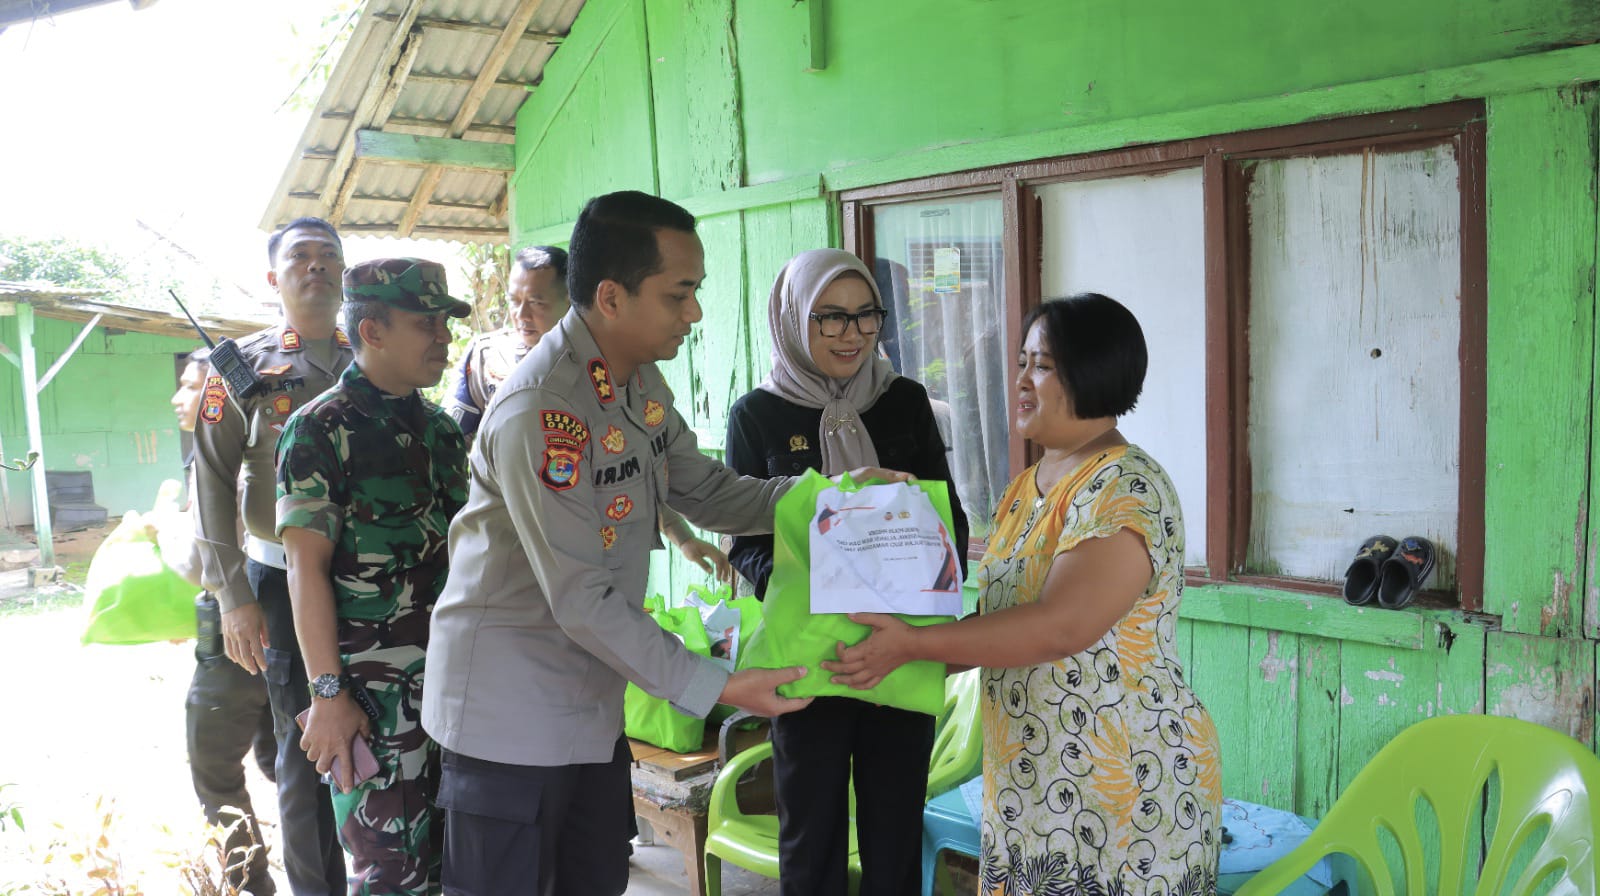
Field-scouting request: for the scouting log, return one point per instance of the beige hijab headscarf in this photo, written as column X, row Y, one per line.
column 846, row 444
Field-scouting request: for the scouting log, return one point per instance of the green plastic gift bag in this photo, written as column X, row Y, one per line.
column 653, row 719
column 791, row 635
column 132, row 595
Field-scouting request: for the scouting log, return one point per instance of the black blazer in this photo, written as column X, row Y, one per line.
column 769, row 436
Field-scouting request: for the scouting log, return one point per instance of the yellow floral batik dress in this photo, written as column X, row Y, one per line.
column 1101, row 770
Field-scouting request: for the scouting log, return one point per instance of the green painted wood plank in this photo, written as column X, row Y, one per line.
column 380, row 146
column 1317, row 721
column 695, row 81
column 1541, row 268
column 1549, row 681
column 1221, row 675
column 589, row 128
column 1310, row 614
column 1273, row 692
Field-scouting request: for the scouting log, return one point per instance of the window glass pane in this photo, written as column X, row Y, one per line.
column 1140, row 240
column 1355, row 374
column 940, row 266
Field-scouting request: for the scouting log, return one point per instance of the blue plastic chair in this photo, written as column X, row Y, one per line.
column 946, row 824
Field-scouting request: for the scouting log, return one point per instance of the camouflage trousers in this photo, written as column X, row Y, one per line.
column 389, row 824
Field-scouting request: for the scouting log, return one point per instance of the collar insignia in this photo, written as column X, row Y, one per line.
column 339, row 337
column 600, row 378
column 289, row 340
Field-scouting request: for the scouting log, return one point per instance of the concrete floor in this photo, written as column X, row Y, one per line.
column 658, row 871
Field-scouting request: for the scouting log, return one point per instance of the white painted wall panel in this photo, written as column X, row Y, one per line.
column 1354, row 340
column 1140, row 241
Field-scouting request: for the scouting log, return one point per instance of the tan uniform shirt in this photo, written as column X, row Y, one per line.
column 541, row 624
column 233, row 435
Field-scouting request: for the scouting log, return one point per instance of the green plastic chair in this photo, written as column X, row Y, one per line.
column 1545, row 813
column 751, row 841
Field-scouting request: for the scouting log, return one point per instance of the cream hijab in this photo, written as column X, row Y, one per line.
column 846, row 444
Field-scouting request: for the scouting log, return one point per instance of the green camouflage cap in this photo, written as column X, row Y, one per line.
column 409, row 284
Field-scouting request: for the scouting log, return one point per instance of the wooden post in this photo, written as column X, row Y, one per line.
column 30, row 413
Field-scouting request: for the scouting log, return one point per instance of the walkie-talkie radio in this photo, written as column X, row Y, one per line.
column 226, row 361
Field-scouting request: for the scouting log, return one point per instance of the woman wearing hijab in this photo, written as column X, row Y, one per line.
column 831, row 404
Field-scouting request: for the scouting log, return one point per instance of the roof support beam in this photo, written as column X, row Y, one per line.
column 398, row 55
column 509, row 38
column 477, row 27
column 413, row 149
column 30, row 416
column 71, row 350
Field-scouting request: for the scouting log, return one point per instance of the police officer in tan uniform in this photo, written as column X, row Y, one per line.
column 296, row 361
column 541, row 625
column 536, row 297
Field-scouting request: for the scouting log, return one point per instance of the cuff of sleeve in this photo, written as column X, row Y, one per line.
column 322, row 517
column 703, row 690
column 230, row 598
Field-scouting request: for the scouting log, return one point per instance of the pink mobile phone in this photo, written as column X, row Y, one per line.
column 360, row 751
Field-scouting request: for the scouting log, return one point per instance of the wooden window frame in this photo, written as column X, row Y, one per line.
column 1223, row 162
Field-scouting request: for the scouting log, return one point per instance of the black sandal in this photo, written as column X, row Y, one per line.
column 1361, row 579
column 1405, row 571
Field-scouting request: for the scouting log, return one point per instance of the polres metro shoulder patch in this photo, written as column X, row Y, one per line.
column 214, row 399
column 562, row 427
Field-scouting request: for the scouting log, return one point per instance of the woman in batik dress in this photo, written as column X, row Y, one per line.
column 1101, row 767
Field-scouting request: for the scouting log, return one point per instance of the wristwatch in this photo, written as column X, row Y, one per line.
column 329, row 685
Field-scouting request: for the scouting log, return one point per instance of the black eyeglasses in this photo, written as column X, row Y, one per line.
column 834, row 323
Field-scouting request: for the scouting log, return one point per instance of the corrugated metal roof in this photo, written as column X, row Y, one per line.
column 418, row 67
column 81, row 306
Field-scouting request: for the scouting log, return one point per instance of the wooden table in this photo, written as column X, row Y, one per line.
column 671, row 792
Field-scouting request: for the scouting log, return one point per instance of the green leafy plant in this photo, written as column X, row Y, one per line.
column 10, row 813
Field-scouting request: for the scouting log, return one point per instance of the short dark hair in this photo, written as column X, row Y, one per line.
column 1099, row 352
column 201, row 356
column 357, row 311
column 309, row 223
column 536, row 258
column 615, row 239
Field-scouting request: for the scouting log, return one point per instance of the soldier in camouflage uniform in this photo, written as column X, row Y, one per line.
column 369, row 475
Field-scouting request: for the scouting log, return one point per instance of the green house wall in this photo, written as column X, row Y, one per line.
column 755, row 114
column 106, row 411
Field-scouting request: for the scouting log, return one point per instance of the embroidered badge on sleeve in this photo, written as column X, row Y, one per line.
column 560, row 426
column 212, row 402
column 560, row 469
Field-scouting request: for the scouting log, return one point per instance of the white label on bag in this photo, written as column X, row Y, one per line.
column 882, row 549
